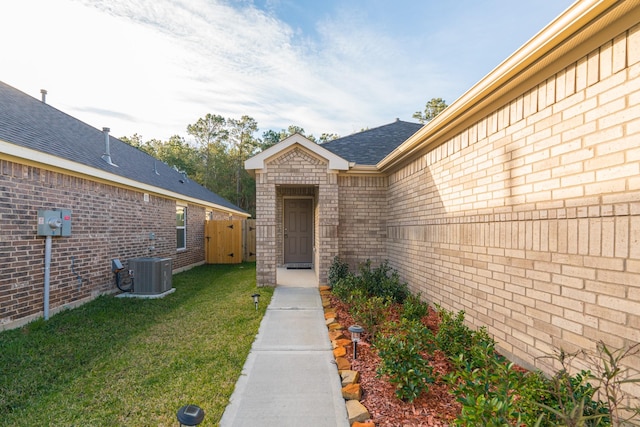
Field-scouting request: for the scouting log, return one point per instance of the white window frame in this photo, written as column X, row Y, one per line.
column 182, row 227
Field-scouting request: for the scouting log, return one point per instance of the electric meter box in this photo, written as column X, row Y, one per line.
column 54, row 222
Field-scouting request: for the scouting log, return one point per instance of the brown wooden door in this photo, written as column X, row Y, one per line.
column 298, row 231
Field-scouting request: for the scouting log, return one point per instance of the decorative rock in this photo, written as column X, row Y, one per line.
column 368, row 423
column 343, row 364
column 336, row 335
column 357, row 412
column 335, row 326
column 330, row 321
column 324, row 288
column 349, row 377
column 352, row 392
column 339, row 352
column 329, row 314
column 343, row 342
column 334, row 344
column 326, row 303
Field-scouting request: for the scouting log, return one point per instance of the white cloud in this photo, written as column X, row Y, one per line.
column 154, row 66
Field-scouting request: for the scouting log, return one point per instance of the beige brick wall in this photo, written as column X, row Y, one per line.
column 529, row 220
column 349, row 213
column 362, row 219
column 295, row 173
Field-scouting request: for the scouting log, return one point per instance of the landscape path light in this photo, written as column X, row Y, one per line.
column 190, row 415
column 256, row 299
column 356, row 333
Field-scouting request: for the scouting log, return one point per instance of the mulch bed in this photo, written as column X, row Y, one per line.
column 438, row 407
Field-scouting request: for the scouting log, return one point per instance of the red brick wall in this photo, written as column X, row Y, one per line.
column 107, row 222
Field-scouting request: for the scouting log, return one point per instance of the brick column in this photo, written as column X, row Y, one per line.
column 265, row 231
column 328, row 226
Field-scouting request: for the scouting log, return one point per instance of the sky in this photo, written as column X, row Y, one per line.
column 152, row 67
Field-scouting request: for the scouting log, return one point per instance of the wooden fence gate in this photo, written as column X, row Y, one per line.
column 249, row 239
column 230, row 241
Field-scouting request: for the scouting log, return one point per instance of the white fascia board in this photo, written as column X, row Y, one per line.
column 257, row 162
column 570, row 22
column 75, row 168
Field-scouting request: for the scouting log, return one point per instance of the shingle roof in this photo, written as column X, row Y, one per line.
column 30, row 123
column 370, row 146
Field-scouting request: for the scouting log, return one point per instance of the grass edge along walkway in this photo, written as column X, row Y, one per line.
column 134, row 362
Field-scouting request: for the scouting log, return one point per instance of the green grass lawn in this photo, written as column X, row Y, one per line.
column 134, row 362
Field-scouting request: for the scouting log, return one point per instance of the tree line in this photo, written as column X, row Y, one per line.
column 215, row 154
column 218, row 147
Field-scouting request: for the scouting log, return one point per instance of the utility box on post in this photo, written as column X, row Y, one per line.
column 54, row 222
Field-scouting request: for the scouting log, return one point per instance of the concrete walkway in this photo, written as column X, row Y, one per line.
column 290, row 378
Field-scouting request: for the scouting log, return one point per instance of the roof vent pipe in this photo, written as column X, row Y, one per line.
column 107, row 152
column 44, row 95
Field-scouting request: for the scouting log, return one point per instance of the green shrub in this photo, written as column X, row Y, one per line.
column 545, row 402
column 402, row 361
column 486, row 387
column 338, row 270
column 453, row 337
column 414, row 308
column 492, row 393
column 482, row 351
column 571, row 402
column 383, row 281
column 346, row 286
column 369, row 312
column 533, row 390
column 489, row 407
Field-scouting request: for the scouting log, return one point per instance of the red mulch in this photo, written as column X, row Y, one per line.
column 436, row 408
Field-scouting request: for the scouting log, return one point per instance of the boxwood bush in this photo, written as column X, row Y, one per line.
column 382, row 281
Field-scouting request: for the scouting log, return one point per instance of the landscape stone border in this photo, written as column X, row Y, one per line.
column 358, row 415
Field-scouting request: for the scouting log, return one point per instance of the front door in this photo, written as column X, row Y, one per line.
column 298, row 231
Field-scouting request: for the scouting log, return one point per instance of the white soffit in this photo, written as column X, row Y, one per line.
column 258, row 161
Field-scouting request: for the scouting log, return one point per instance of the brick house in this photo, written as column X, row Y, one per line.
column 124, row 205
column 520, row 203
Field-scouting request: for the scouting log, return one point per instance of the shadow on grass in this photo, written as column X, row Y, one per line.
column 127, row 361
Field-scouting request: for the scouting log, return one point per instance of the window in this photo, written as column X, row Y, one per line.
column 181, row 227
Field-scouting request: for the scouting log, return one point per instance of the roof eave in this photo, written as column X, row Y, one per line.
column 258, row 161
column 47, row 161
column 567, row 25
column 363, row 169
